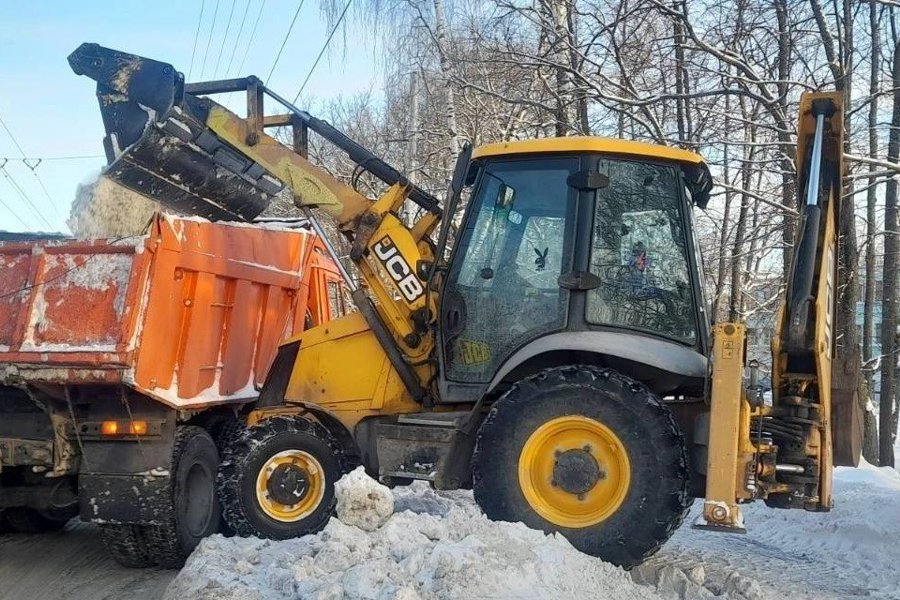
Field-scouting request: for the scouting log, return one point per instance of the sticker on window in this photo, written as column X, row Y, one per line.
column 473, row 352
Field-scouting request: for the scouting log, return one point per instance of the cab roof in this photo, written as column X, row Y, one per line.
column 589, row 144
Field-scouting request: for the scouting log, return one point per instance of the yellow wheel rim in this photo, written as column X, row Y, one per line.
column 574, row 471
column 307, row 502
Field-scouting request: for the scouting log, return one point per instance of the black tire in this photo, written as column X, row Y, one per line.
column 656, row 500
column 28, row 520
column 194, row 512
column 249, row 454
column 127, row 545
column 226, row 433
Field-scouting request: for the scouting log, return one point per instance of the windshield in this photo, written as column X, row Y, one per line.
column 638, row 250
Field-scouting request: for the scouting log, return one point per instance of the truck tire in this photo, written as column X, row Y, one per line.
column 273, row 463
column 589, row 453
column 27, row 520
column 127, row 545
column 193, row 508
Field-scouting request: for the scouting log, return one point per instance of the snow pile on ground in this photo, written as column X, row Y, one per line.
column 104, row 209
column 433, row 546
column 852, row 551
column 362, row 501
column 439, row 545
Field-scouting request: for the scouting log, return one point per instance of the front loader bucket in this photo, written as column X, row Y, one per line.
column 158, row 143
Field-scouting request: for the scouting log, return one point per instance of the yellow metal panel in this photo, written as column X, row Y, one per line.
column 311, row 185
column 342, row 368
column 588, row 144
column 824, row 340
column 728, row 461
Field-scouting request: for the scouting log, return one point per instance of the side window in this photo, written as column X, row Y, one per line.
column 640, row 254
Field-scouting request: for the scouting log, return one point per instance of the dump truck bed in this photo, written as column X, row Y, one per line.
column 190, row 313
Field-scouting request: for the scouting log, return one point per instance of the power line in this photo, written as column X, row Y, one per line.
column 35, row 161
column 224, row 39
column 15, row 214
column 284, row 41
column 322, row 52
column 196, row 38
column 12, row 181
column 31, row 167
column 212, row 27
column 252, row 35
column 237, row 39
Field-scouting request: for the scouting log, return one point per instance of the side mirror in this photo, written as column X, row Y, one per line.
column 699, row 180
column 506, row 196
column 462, row 167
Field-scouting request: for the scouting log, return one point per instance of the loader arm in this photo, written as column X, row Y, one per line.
column 167, row 142
column 782, row 450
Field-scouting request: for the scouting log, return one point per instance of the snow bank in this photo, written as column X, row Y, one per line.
column 362, row 501
column 439, row 545
column 852, row 551
column 433, row 546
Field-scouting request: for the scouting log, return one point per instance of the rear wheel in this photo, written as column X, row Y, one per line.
column 193, row 512
column 28, row 520
column 277, row 479
column 587, row 452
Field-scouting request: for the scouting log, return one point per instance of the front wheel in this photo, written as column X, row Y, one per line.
column 587, row 452
column 277, row 479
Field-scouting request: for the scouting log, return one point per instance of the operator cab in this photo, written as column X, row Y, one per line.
column 577, row 245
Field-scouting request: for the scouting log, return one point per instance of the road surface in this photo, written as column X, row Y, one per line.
column 71, row 565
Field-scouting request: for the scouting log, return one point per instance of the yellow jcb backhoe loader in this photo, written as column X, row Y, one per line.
column 558, row 358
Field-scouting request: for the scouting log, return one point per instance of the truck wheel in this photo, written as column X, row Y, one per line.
column 126, row 544
column 27, row 520
column 193, row 509
column 277, row 479
column 587, row 452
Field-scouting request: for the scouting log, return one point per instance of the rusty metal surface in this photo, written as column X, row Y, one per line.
column 190, row 314
column 66, row 305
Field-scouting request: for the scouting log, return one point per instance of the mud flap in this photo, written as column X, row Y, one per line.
column 135, row 499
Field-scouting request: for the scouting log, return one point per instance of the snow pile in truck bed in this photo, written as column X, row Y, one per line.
column 434, row 546
column 105, row 209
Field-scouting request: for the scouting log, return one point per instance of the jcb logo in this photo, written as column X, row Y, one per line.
column 407, row 281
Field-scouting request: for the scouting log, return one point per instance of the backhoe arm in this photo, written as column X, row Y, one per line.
column 782, row 450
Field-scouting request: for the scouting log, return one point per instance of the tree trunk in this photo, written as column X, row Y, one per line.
column 556, row 13
column 443, row 48
column 868, row 333
column 886, row 427
column 788, row 175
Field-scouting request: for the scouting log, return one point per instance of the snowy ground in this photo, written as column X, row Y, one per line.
column 440, row 546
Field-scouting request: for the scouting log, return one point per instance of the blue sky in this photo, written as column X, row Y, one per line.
column 53, row 113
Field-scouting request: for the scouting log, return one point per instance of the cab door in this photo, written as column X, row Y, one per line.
column 502, row 288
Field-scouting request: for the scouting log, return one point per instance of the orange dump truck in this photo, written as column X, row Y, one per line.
column 124, row 362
